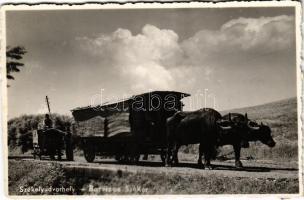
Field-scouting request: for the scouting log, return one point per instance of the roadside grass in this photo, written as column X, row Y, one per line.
column 145, row 183
column 26, row 174
column 16, row 151
column 282, row 152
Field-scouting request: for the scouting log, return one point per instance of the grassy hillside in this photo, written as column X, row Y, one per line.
column 281, row 117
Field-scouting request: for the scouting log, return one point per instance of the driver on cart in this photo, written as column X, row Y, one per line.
column 48, row 123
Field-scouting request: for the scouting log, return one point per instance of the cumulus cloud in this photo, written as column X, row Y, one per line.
column 242, row 36
column 273, row 33
column 140, row 59
column 156, row 59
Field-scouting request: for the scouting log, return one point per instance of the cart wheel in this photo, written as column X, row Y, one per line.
column 52, row 157
column 89, row 154
column 59, row 156
column 126, row 158
column 118, row 157
column 136, row 158
column 132, row 159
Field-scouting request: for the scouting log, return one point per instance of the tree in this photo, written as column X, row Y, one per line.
column 13, row 56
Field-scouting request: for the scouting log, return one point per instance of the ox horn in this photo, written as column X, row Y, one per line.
column 224, row 127
column 253, row 127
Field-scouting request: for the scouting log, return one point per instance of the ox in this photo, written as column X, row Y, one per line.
column 247, row 131
column 201, row 126
column 210, row 130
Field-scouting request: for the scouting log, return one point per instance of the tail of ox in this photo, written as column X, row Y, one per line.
column 197, row 127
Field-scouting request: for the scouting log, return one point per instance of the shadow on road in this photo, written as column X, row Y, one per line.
column 216, row 166
column 195, row 166
column 253, row 169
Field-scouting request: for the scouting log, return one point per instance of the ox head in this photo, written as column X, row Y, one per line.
column 260, row 132
column 237, row 121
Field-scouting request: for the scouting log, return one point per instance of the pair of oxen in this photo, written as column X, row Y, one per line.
column 210, row 129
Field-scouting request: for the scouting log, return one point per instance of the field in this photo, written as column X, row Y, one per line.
column 266, row 170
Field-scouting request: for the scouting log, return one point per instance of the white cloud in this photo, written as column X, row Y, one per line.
column 156, row 59
column 274, row 33
column 140, row 60
column 242, row 36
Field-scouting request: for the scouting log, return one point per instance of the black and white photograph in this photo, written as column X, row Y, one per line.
column 152, row 99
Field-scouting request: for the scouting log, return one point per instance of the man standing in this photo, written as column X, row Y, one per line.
column 47, row 124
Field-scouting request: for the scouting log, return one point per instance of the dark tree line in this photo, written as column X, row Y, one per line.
column 20, row 129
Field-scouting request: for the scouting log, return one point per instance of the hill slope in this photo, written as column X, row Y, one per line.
column 281, row 116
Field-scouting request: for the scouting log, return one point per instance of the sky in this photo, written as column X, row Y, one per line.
column 230, row 57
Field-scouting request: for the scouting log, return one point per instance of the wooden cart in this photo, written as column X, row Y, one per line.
column 129, row 128
column 48, row 142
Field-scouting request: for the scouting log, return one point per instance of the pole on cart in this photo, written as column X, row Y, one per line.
column 48, row 104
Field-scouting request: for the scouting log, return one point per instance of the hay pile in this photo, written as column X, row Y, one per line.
column 118, row 123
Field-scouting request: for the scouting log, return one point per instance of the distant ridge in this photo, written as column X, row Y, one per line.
column 269, row 110
column 281, row 116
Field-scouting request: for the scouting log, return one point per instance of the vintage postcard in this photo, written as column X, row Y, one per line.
column 152, row 99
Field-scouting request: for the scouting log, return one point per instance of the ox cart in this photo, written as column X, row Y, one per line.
column 48, row 142
column 129, row 128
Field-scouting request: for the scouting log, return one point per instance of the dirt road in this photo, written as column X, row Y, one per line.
column 253, row 169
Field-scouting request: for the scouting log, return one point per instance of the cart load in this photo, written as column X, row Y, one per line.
column 117, row 124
